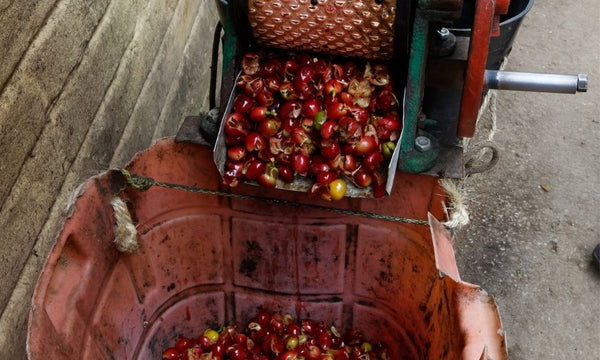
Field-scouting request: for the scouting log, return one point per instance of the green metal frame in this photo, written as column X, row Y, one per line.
column 229, row 40
column 411, row 160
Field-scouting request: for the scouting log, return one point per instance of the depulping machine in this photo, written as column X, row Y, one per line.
column 204, row 254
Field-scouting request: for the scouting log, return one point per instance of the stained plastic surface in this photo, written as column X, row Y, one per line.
column 206, row 260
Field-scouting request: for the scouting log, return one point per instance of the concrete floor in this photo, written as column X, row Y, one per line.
column 530, row 247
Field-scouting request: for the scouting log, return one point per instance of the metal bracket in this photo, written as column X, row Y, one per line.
column 485, row 25
column 201, row 129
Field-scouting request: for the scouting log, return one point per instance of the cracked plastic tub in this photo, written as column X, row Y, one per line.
column 205, row 260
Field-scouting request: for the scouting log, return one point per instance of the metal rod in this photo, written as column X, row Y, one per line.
column 212, row 92
column 525, row 81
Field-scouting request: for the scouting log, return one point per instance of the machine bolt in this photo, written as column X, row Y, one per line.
column 422, row 143
column 443, row 34
column 582, row 83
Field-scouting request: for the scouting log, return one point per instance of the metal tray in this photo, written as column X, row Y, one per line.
column 301, row 183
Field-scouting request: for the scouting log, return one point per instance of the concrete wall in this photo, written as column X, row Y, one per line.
column 84, row 85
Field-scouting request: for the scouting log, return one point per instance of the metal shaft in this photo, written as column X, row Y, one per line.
column 525, row 81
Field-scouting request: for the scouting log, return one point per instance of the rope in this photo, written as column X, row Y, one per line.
column 125, row 231
column 490, row 102
column 457, row 209
column 137, row 182
column 493, row 114
column 143, row 184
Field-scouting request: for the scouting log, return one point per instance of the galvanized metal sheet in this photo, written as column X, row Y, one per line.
column 301, row 183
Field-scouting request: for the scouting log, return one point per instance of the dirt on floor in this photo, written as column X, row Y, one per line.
column 534, row 217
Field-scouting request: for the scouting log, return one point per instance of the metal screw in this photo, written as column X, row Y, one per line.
column 422, row 143
column 443, row 33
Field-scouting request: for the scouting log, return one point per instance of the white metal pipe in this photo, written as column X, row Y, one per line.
column 539, row 82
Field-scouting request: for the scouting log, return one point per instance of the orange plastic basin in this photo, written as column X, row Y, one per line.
column 206, row 260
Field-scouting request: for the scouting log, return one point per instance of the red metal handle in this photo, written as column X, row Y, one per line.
column 485, row 25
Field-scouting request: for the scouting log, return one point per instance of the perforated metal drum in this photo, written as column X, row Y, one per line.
column 355, row 28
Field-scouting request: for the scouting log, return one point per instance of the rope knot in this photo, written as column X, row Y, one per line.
column 137, row 182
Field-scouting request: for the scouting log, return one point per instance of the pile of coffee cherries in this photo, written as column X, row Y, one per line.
column 304, row 116
column 276, row 336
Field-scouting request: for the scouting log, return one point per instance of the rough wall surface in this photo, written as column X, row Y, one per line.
column 84, row 85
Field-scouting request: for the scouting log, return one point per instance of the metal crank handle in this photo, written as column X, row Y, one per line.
column 526, row 81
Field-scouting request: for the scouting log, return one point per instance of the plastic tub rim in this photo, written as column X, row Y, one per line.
column 517, row 17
